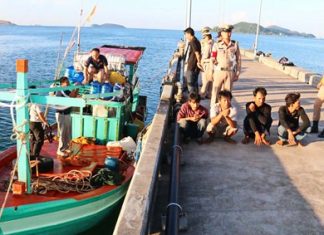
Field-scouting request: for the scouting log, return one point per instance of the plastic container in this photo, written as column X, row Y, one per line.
column 95, row 87
column 112, row 163
column 118, row 87
column 69, row 72
column 107, row 88
column 77, row 77
column 128, row 144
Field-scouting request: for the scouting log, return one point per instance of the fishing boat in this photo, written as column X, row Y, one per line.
column 66, row 197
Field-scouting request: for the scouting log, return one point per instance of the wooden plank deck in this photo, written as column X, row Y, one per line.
column 245, row 189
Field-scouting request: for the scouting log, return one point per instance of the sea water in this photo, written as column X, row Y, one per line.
column 41, row 46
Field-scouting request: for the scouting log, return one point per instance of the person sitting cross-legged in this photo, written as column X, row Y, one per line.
column 289, row 129
column 192, row 118
column 258, row 119
column 222, row 118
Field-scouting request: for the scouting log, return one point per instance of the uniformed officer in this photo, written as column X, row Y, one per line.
column 227, row 59
column 207, row 73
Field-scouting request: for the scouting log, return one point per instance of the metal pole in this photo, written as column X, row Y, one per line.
column 257, row 31
column 188, row 22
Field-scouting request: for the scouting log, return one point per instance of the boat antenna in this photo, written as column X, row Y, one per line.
column 257, row 31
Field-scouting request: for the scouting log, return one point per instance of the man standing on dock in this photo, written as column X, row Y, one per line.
column 192, row 118
column 227, row 59
column 207, row 73
column 192, row 60
column 289, row 129
column 317, row 108
column 258, row 119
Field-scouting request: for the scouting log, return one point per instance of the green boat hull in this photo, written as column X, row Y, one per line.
column 67, row 216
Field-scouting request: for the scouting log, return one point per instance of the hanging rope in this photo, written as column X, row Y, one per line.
column 13, row 172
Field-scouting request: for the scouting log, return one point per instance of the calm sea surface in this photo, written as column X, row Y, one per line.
column 40, row 45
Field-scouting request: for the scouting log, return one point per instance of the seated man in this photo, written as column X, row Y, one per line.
column 222, row 118
column 258, row 119
column 289, row 129
column 192, row 118
column 96, row 65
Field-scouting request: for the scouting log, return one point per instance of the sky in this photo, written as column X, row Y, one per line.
column 299, row 15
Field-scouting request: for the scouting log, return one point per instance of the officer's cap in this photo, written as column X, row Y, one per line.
column 205, row 29
column 226, row 28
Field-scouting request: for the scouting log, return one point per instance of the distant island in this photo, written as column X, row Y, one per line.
column 6, row 23
column 109, row 25
column 250, row 28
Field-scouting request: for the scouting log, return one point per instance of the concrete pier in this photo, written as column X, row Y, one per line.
column 245, row 189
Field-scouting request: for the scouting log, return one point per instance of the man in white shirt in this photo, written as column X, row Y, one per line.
column 37, row 118
column 222, row 118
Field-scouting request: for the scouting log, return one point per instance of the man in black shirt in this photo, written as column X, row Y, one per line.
column 289, row 128
column 96, row 65
column 258, row 119
column 193, row 60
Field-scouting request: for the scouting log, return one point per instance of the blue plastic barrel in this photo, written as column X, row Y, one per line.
column 107, row 88
column 95, row 87
column 112, row 163
column 77, row 77
column 69, row 72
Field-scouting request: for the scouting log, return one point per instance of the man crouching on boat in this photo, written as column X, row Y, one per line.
column 95, row 66
column 63, row 119
column 192, row 118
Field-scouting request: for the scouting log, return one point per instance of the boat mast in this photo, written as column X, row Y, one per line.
column 257, row 30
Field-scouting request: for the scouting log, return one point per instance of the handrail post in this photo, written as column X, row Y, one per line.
column 22, row 115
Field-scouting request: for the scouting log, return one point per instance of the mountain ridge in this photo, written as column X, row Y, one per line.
column 250, row 28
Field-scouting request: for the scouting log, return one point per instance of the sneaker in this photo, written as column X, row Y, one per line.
column 321, row 135
column 314, row 129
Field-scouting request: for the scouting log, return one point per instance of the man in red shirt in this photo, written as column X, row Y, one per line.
column 192, row 118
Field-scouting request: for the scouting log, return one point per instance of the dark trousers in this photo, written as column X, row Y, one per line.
column 36, row 138
column 191, row 77
column 193, row 129
column 259, row 126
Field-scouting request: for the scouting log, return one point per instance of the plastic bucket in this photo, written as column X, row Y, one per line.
column 69, row 72
column 95, row 87
column 107, row 88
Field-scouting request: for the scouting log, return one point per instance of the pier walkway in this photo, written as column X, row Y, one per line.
column 245, row 189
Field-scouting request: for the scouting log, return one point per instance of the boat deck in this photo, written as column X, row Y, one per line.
column 87, row 158
column 245, row 189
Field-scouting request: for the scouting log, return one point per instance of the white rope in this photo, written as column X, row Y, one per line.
column 10, row 183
